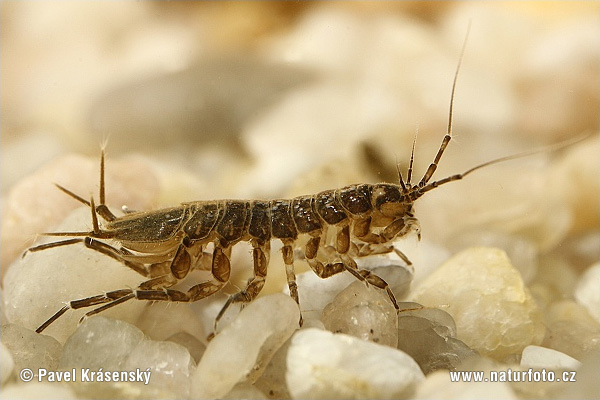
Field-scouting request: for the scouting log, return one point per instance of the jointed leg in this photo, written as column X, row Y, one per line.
column 260, row 257
column 310, row 253
column 107, row 297
column 156, row 289
column 368, row 277
column 347, row 263
column 100, row 247
column 288, row 259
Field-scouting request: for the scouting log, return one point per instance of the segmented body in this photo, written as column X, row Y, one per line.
column 165, row 245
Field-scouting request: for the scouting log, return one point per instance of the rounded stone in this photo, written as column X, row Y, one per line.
column 439, row 386
column 542, row 357
column 364, row 312
column 494, row 312
column 29, row 349
column 170, row 365
column 428, row 335
column 100, row 343
column 337, row 366
column 243, row 349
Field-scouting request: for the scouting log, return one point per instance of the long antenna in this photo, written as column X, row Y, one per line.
column 547, row 149
column 433, row 166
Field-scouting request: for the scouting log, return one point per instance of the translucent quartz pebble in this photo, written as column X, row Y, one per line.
column 29, row 349
column 441, row 319
column 40, row 283
column 243, row 349
column 272, row 382
column 323, row 365
column 38, row 390
column 571, row 329
column 439, row 386
column 103, row 344
column 364, row 312
column 587, row 292
column 171, row 365
column 100, row 343
column 431, row 343
column 542, row 357
column 164, row 319
column 194, row 346
column 207, row 311
column 494, row 312
column 315, row 293
column 6, row 360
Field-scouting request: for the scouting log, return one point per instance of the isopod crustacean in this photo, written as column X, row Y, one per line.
column 165, row 245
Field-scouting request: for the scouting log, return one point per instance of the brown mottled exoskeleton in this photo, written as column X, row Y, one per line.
column 165, row 245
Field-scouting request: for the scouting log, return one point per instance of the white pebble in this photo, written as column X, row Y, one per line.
column 272, row 381
column 495, row 313
column 438, row 386
column 29, row 349
column 165, row 319
column 35, row 205
column 87, row 347
column 587, row 292
column 315, row 293
column 170, row 364
column 542, row 357
column 364, row 312
column 571, row 329
column 243, row 349
column 194, row 346
column 523, row 252
column 337, row 366
column 207, row 311
column 39, row 284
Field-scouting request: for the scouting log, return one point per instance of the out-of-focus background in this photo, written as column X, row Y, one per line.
column 276, row 99
column 194, row 78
